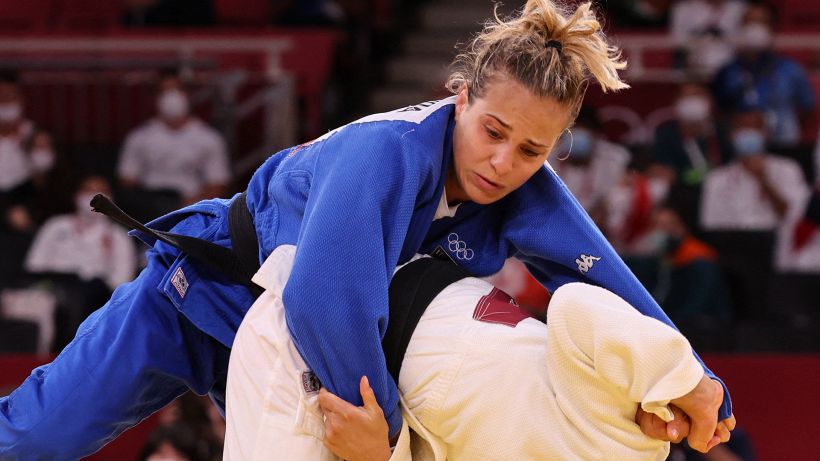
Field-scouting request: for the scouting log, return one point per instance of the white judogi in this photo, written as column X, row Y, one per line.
column 471, row 389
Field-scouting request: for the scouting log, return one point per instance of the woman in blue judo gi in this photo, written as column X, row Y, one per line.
column 356, row 202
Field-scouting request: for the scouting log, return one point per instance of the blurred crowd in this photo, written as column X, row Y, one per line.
column 718, row 215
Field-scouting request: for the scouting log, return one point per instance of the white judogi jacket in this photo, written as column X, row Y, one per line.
column 479, row 380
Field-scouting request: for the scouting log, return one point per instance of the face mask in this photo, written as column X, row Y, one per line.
column 755, row 36
column 578, row 144
column 748, row 141
column 173, row 105
column 10, row 111
column 82, row 201
column 692, row 108
column 41, row 160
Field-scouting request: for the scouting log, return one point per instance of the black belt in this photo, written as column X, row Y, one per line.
column 412, row 289
column 238, row 264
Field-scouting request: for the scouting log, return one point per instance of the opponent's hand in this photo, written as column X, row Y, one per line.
column 678, row 429
column 355, row 433
column 653, row 426
column 701, row 405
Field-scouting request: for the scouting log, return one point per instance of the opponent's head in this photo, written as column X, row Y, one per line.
column 519, row 85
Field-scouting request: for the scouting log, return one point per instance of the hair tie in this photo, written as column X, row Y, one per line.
column 555, row 44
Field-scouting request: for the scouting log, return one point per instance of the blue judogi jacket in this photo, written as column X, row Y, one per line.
column 359, row 201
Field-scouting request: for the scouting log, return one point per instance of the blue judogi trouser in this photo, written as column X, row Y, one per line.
column 149, row 344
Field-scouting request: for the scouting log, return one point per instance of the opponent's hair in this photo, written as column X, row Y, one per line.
column 548, row 48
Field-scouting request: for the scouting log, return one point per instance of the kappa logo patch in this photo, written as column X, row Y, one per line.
column 180, row 282
column 310, row 383
column 585, row 262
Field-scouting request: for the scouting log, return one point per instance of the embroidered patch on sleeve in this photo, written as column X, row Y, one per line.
column 499, row 307
column 180, row 282
column 310, row 382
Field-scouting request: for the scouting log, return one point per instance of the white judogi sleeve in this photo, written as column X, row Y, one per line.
column 271, row 403
column 479, row 381
column 568, row 390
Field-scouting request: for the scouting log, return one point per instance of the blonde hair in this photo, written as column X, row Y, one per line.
column 547, row 48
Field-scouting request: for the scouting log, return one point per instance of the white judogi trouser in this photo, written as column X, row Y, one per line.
column 473, row 389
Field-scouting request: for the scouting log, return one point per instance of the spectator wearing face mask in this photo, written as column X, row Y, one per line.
column 82, row 256
column 588, row 164
column 702, row 31
column 693, row 142
column 760, row 78
column 172, row 159
column 756, row 191
column 746, row 206
column 687, row 147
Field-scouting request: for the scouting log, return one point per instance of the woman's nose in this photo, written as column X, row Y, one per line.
column 502, row 161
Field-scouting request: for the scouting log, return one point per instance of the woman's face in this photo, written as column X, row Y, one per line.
column 501, row 140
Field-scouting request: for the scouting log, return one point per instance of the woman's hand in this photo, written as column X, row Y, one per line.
column 695, row 417
column 355, row 433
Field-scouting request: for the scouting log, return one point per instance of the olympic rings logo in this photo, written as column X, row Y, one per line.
column 459, row 247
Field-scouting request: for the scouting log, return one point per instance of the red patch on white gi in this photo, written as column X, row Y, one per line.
column 499, row 307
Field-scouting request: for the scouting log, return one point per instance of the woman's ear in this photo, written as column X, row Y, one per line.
column 462, row 99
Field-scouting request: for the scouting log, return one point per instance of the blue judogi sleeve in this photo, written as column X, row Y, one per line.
column 363, row 192
column 568, row 247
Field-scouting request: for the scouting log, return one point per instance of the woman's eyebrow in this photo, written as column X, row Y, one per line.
column 509, row 127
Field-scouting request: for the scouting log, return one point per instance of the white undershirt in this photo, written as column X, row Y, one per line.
column 444, row 210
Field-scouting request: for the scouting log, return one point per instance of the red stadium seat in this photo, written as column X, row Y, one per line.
column 27, row 16
column 799, row 15
column 87, row 15
column 242, row 12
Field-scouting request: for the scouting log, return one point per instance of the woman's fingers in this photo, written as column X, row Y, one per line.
column 369, row 397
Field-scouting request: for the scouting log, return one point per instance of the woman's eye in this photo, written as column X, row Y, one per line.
column 530, row 153
column 492, row 133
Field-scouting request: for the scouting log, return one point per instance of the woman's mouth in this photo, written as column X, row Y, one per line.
column 485, row 184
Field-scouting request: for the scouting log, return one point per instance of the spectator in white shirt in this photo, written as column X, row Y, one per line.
column 85, row 243
column 703, row 31
column 83, row 256
column 175, row 152
column 755, row 192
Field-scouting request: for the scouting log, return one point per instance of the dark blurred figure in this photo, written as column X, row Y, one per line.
column 693, row 142
column 762, row 79
column 198, row 415
column 686, row 148
column 173, row 159
column 306, row 12
column 172, row 443
column 142, row 13
column 693, row 290
column 642, row 14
